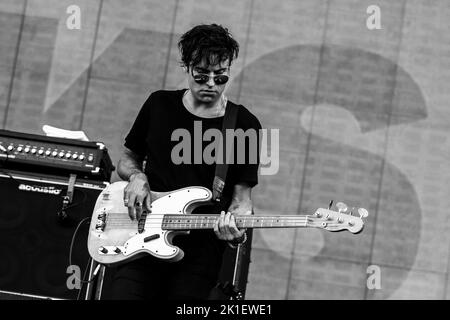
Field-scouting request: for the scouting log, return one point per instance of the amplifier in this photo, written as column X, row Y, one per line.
column 50, row 155
column 36, row 243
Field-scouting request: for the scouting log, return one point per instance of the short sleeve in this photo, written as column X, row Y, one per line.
column 248, row 172
column 136, row 138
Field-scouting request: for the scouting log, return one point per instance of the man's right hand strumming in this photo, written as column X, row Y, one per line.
column 137, row 195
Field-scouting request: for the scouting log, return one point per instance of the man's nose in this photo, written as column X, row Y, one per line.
column 211, row 82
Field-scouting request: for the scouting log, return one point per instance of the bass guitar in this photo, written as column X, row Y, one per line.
column 115, row 238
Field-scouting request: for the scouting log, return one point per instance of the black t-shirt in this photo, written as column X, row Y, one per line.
column 151, row 137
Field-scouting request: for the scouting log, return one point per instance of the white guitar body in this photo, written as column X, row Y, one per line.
column 114, row 237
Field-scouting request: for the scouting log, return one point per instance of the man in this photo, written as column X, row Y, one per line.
column 207, row 52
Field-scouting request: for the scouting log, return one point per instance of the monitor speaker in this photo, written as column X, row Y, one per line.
column 41, row 255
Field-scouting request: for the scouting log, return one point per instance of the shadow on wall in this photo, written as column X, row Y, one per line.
column 378, row 94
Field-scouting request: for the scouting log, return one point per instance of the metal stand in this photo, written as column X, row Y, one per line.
column 94, row 287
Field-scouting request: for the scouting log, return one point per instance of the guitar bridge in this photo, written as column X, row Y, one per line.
column 101, row 220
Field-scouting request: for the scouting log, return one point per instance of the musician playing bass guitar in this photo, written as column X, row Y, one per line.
column 155, row 158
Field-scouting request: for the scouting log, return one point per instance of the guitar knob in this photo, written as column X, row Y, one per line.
column 103, row 250
column 117, row 250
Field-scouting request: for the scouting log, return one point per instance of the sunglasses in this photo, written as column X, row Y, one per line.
column 202, row 78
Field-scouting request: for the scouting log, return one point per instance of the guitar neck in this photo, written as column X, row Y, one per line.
column 190, row 222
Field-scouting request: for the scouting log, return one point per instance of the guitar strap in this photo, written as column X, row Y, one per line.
column 222, row 156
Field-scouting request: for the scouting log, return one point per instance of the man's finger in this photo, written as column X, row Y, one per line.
column 227, row 224
column 221, row 222
column 131, row 209
column 148, row 202
column 233, row 228
column 216, row 228
column 138, row 207
column 125, row 197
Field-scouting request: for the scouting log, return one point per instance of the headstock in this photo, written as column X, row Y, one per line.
column 339, row 220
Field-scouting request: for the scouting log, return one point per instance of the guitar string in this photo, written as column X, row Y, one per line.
column 187, row 219
column 206, row 223
column 188, row 216
column 166, row 219
column 200, row 221
column 201, row 218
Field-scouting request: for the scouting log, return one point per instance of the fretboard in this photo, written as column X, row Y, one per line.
column 188, row 222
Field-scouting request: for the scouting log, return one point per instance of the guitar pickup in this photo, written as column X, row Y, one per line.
column 152, row 237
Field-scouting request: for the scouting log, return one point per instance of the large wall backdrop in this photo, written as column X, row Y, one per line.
column 363, row 115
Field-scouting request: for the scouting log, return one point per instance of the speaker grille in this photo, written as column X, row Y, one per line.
column 34, row 241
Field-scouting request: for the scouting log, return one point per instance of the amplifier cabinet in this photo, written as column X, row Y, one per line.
column 35, row 240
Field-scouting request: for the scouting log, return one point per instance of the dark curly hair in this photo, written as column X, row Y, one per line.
column 211, row 42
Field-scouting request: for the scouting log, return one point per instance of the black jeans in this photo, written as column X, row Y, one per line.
column 191, row 278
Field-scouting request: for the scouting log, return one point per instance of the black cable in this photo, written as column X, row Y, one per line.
column 71, row 248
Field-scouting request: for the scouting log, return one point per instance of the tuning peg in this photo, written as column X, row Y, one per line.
column 330, row 204
column 342, row 207
column 351, row 211
column 363, row 212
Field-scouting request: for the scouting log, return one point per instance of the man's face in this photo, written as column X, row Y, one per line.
column 210, row 91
